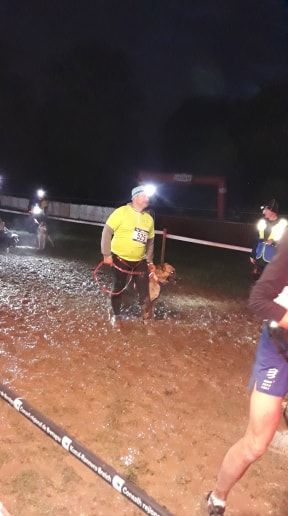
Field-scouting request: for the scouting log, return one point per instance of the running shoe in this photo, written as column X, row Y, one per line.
column 212, row 508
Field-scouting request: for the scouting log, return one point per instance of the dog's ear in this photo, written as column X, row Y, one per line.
column 168, row 268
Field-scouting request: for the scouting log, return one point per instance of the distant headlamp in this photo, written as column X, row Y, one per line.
column 40, row 193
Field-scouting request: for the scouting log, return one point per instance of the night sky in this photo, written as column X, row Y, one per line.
column 177, row 48
column 173, row 51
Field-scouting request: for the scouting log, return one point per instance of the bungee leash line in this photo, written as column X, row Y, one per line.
column 129, row 273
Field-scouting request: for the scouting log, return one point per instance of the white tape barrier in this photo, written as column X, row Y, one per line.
column 76, row 221
column 64, row 219
column 158, row 232
column 212, row 244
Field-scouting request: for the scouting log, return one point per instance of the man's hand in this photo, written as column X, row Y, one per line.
column 284, row 321
column 108, row 260
column 152, row 273
column 252, row 260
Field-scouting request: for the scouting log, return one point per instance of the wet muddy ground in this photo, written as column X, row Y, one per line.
column 161, row 403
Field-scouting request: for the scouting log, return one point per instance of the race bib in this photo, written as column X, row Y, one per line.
column 140, row 235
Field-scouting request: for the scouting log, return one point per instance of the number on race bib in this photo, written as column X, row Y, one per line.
column 140, row 235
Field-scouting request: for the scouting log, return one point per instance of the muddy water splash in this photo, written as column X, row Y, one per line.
column 160, row 402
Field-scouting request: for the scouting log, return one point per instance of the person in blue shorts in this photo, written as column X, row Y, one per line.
column 269, row 379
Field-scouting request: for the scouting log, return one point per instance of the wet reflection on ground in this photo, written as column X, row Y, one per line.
column 159, row 402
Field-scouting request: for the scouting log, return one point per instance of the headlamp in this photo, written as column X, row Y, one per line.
column 149, row 190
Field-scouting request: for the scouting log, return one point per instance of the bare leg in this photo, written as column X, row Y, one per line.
column 265, row 413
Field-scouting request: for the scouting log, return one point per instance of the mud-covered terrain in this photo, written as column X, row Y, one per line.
column 160, row 402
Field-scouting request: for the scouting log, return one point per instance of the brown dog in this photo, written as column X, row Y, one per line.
column 160, row 275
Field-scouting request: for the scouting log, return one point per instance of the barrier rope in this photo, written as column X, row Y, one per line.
column 157, row 232
column 129, row 273
column 131, row 492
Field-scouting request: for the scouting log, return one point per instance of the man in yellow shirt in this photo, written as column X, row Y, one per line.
column 128, row 242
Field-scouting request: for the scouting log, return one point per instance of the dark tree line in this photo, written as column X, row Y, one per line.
column 77, row 126
column 242, row 139
column 74, row 126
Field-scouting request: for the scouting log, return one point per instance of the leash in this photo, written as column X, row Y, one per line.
column 129, row 273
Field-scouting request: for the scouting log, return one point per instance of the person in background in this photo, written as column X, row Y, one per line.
column 7, row 237
column 270, row 230
column 37, row 209
column 128, row 242
column 268, row 382
column 40, row 200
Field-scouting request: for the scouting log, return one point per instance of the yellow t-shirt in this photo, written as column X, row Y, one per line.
column 131, row 229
